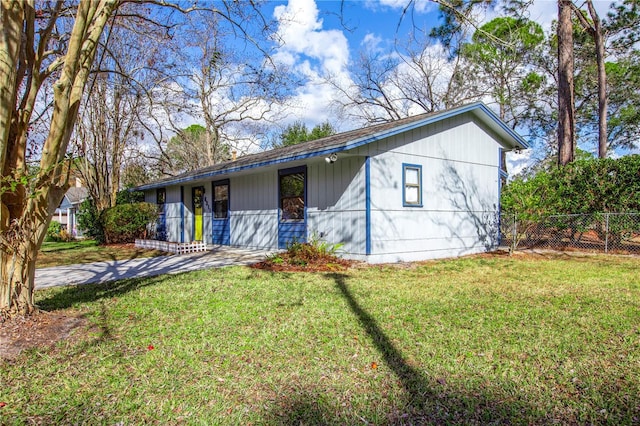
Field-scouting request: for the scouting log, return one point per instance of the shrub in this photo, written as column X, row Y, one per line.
column 56, row 233
column 90, row 221
column 313, row 252
column 126, row 222
column 585, row 186
column 129, row 197
column 53, row 231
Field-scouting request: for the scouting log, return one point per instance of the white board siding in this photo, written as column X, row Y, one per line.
column 336, row 209
column 460, row 192
column 254, row 210
column 172, row 213
column 460, row 196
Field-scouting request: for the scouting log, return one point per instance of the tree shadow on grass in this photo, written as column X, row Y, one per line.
column 425, row 400
column 86, row 293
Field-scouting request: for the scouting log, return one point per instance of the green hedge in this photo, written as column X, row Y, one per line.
column 586, row 186
column 126, row 222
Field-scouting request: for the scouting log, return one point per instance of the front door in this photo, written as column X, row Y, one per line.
column 197, row 194
column 292, row 190
column 221, row 225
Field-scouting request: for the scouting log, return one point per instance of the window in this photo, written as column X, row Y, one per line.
column 161, row 196
column 412, row 184
column 221, row 199
column 292, row 194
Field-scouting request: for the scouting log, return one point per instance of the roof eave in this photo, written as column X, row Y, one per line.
column 510, row 140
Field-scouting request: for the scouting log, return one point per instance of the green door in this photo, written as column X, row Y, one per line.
column 197, row 196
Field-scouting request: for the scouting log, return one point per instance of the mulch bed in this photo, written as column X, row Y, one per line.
column 286, row 263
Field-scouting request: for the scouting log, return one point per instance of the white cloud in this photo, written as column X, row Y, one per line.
column 301, row 34
column 314, row 53
column 518, row 162
column 371, row 42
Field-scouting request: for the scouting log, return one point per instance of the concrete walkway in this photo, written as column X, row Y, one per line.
column 100, row 272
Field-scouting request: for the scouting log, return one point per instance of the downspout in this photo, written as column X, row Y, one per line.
column 367, row 208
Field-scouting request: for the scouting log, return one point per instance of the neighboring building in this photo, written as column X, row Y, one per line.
column 423, row 187
column 65, row 214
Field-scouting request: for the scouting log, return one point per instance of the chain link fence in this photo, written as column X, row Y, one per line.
column 600, row 232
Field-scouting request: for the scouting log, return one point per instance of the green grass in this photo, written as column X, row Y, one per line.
column 87, row 251
column 481, row 340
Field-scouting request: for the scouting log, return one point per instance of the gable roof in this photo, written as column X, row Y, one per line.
column 73, row 197
column 509, row 139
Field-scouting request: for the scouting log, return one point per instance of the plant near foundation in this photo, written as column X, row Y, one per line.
column 324, row 247
column 313, row 251
column 316, row 254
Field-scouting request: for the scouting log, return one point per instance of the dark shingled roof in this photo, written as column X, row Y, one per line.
column 330, row 144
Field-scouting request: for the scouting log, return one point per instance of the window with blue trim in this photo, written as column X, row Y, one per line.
column 412, row 185
column 292, row 187
column 221, row 199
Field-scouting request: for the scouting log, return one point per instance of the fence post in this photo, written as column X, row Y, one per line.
column 514, row 235
column 606, row 233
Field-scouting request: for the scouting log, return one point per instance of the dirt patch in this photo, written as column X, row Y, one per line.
column 39, row 330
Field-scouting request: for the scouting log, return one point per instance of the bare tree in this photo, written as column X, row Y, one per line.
column 233, row 92
column 595, row 30
column 392, row 85
column 44, row 42
column 34, row 47
column 110, row 120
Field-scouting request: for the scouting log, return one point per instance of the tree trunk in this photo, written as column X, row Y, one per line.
column 20, row 243
column 598, row 38
column 26, row 210
column 594, row 28
column 566, row 113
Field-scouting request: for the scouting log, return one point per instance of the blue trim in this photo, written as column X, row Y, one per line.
column 367, row 207
column 290, row 230
column 501, row 172
column 292, row 170
column 406, row 166
column 479, row 106
column 221, row 227
column 182, row 214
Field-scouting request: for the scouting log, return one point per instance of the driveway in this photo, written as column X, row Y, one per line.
column 100, row 272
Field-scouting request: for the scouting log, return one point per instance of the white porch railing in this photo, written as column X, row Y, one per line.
column 178, row 248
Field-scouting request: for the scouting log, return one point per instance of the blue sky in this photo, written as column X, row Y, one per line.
column 322, row 37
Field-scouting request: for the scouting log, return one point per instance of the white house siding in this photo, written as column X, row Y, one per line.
column 172, row 213
column 254, row 210
column 459, row 157
column 460, row 194
column 336, row 203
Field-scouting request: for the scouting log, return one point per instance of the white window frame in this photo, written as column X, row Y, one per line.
column 406, row 186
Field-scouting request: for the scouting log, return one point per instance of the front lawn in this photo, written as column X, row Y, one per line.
column 479, row 340
column 87, row 251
